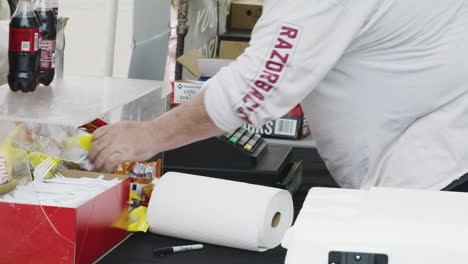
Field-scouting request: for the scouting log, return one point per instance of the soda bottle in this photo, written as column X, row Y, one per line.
column 48, row 30
column 24, row 50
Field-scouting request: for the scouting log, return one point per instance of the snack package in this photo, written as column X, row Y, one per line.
column 124, row 168
column 7, row 183
column 35, row 159
column 137, row 220
column 80, row 146
column 47, row 139
column 65, row 143
column 146, row 194
column 13, row 161
column 94, row 125
column 143, row 177
column 143, row 170
column 133, row 196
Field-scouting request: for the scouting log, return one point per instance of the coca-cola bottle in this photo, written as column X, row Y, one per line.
column 48, row 29
column 24, row 50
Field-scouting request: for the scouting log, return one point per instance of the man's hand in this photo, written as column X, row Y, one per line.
column 122, row 142
column 140, row 141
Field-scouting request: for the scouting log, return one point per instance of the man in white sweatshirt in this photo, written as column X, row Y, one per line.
column 383, row 83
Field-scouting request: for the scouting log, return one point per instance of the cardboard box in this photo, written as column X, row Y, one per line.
column 183, row 91
column 67, row 235
column 202, row 67
column 291, row 126
column 233, row 43
column 245, row 13
column 230, row 50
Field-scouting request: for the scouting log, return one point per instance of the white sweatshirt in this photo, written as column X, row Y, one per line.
column 383, row 84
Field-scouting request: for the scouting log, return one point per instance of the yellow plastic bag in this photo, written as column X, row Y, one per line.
column 77, row 148
column 7, row 183
column 137, row 220
column 83, row 142
column 36, row 158
column 7, row 158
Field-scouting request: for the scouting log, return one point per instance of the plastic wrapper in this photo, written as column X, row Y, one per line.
column 62, row 143
column 80, row 146
column 143, row 176
column 133, row 197
column 35, row 159
column 137, row 220
column 59, row 142
column 143, row 170
column 13, row 161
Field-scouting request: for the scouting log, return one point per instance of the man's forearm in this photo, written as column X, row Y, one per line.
column 183, row 125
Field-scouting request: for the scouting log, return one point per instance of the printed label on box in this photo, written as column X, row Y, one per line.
column 286, row 127
column 184, row 91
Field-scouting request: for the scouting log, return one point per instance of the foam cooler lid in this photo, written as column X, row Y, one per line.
column 408, row 226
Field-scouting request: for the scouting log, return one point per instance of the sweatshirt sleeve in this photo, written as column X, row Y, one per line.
column 293, row 46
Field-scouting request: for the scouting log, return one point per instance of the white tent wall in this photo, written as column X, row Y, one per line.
column 141, row 37
column 4, row 10
column 124, row 37
column 90, row 38
column 139, row 46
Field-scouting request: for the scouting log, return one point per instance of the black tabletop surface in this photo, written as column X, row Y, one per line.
column 138, row 249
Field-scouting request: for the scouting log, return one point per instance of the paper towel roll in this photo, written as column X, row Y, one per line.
column 220, row 212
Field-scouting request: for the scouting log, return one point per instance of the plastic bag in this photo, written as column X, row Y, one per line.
column 13, row 161
column 137, row 220
column 35, row 159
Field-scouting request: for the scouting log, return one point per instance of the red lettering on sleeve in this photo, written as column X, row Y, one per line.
column 241, row 113
column 263, row 85
column 254, row 104
column 290, row 32
column 270, row 77
column 283, row 58
column 274, row 66
column 257, row 94
column 283, row 44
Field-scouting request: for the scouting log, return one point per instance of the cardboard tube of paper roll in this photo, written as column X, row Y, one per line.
column 220, row 212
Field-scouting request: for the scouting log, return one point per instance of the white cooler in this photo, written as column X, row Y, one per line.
column 380, row 226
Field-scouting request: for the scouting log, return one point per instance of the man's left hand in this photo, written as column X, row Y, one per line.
column 122, row 142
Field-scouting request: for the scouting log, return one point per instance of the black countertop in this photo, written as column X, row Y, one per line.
column 139, row 247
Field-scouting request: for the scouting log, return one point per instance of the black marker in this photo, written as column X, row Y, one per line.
column 171, row 250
